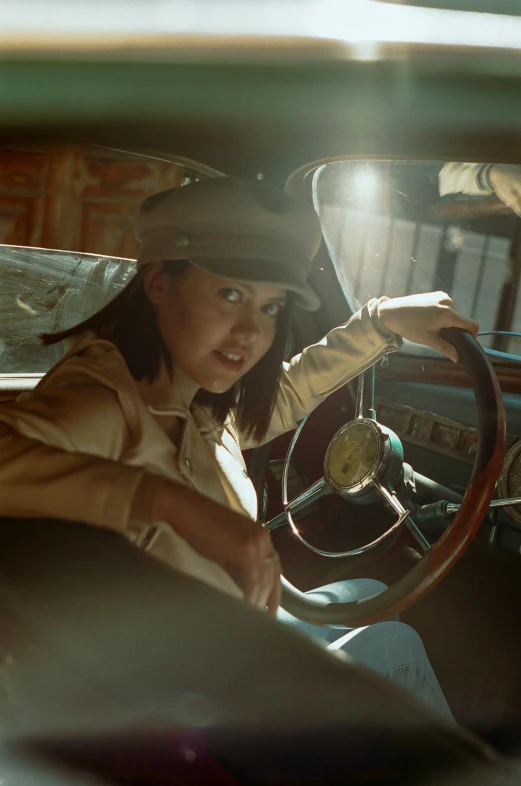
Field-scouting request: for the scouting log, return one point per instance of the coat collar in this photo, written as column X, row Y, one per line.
column 169, row 394
column 174, row 395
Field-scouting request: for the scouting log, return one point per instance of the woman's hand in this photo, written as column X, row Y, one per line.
column 241, row 546
column 419, row 318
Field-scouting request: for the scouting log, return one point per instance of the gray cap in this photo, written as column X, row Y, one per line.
column 234, row 229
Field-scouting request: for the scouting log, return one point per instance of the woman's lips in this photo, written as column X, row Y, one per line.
column 232, row 363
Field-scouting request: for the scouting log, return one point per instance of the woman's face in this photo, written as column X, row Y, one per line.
column 215, row 329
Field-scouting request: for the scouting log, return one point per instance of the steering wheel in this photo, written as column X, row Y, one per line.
column 364, row 462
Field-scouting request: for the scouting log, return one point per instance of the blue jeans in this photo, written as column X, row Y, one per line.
column 392, row 648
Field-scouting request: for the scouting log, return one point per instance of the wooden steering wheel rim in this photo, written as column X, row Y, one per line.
column 450, row 547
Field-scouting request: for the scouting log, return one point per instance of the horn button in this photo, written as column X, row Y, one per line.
column 362, row 453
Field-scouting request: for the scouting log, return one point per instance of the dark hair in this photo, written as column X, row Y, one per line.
column 129, row 321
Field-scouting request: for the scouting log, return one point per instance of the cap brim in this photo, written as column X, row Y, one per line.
column 262, row 271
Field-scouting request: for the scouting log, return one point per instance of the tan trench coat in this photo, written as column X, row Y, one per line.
column 90, row 444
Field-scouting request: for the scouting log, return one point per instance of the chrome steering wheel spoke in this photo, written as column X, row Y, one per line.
column 318, row 490
column 303, row 500
column 418, row 535
column 404, row 515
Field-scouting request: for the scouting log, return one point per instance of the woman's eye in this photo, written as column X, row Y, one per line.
column 231, row 295
column 272, row 309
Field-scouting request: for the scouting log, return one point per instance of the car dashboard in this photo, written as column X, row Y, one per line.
column 440, row 440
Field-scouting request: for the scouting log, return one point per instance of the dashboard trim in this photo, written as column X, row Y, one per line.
column 441, row 371
column 431, row 431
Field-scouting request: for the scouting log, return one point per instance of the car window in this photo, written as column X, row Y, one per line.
column 46, row 291
column 66, row 237
column 396, row 228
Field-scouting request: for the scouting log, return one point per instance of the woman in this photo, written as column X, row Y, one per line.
column 139, row 428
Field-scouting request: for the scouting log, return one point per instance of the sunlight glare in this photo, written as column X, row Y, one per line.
column 365, row 184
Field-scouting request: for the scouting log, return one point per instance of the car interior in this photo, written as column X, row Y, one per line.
column 363, row 138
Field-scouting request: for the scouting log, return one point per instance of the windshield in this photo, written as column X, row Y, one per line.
column 397, row 228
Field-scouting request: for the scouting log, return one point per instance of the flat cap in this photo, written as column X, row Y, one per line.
column 234, row 229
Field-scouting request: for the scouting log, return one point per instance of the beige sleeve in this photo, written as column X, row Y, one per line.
column 58, row 457
column 461, row 178
column 322, row 368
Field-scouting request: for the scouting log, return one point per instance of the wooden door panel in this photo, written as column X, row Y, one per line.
column 23, row 171
column 127, row 180
column 77, row 198
column 21, row 220
column 108, row 227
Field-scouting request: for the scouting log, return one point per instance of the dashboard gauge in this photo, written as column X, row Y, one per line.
column 509, row 484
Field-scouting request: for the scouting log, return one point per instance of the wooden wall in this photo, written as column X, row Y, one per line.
column 77, row 198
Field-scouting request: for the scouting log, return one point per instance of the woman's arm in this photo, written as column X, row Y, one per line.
column 238, row 544
column 59, row 452
column 57, row 457
column 324, row 367
column 348, row 350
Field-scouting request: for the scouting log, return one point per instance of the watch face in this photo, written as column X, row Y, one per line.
column 353, row 455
